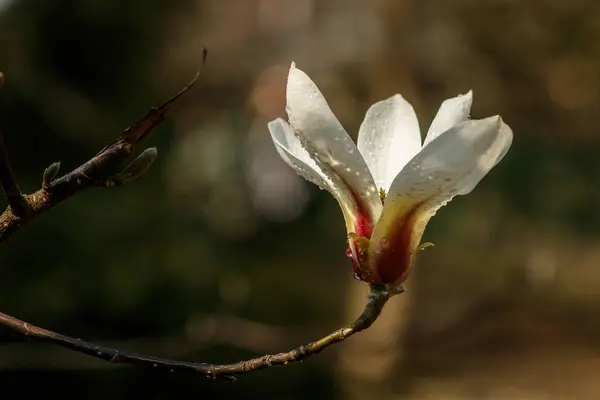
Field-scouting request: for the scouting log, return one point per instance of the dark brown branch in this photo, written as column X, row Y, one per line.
column 16, row 201
column 376, row 300
column 204, row 333
column 97, row 171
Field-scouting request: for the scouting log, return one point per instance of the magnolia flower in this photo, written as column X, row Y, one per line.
column 388, row 185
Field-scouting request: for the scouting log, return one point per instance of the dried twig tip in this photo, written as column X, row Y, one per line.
column 204, row 55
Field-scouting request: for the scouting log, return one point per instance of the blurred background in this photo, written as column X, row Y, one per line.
column 220, row 252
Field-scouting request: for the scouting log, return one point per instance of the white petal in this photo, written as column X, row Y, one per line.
column 291, row 151
column 452, row 111
column 388, row 138
column 328, row 144
column 451, row 164
column 492, row 158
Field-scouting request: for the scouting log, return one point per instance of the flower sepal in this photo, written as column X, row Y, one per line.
column 424, row 245
column 358, row 252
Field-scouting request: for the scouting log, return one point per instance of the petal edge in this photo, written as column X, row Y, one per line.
column 452, row 111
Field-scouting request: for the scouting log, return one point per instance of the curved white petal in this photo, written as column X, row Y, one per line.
column 291, row 151
column 507, row 143
column 451, row 164
column 388, row 138
column 452, row 111
column 326, row 141
column 494, row 155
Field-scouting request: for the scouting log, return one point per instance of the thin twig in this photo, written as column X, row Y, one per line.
column 14, row 197
column 204, row 333
column 97, row 171
column 376, row 300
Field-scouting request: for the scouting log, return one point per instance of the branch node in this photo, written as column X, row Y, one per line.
column 17, row 202
column 114, row 358
column 49, row 175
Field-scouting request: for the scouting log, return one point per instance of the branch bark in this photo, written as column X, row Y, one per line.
column 376, row 300
column 94, row 172
column 98, row 171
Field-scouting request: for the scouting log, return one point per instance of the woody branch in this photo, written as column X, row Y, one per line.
column 98, row 172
